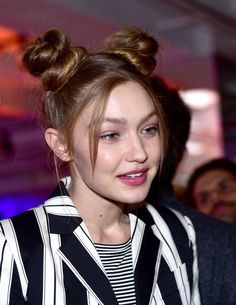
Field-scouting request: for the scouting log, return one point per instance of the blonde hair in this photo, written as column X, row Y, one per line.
column 73, row 78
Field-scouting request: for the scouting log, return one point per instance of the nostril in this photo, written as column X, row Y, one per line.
column 136, row 151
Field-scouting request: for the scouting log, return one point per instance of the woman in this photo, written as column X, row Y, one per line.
column 95, row 241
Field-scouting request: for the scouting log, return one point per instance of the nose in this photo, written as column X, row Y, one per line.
column 135, row 150
column 214, row 199
column 215, row 196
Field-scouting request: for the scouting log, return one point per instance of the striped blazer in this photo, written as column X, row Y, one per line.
column 48, row 258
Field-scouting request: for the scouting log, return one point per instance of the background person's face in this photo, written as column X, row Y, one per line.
column 215, row 194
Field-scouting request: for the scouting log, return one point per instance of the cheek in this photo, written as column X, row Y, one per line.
column 81, row 157
column 231, row 196
column 157, row 153
column 83, row 166
column 107, row 159
column 204, row 208
column 154, row 151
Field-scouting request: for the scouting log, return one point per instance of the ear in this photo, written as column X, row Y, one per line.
column 57, row 144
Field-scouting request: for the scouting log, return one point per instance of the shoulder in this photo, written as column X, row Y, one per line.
column 178, row 242
column 208, row 229
column 21, row 226
column 172, row 227
column 22, row 236
column 178, row 223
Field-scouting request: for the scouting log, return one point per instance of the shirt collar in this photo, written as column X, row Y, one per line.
column 63, row 216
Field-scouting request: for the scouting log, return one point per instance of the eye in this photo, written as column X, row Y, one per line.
column 110, row 136
column 203, row 198
column 225, row 186
column 151, row 130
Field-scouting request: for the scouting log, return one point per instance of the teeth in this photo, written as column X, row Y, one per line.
column 135, row 175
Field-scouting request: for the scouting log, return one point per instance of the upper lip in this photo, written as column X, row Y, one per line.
column 224, row 203
column 137, row 171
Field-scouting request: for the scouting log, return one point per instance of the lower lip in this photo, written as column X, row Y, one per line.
column 135, row 181
column 222, row 208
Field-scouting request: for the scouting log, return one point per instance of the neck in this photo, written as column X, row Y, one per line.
column 104, row 219
column 106, row 225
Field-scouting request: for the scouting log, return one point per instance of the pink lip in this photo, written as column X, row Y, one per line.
column 221, row 208
column 134, row 180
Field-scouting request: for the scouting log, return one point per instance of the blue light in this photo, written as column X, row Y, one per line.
column 12, row 205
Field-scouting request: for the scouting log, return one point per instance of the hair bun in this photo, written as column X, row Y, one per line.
column 52, row 59
column 136, row 46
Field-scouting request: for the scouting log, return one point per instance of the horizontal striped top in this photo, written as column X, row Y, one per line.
column 117, row 262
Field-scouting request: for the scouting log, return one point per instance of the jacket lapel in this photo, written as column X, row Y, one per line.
column 80, row 255
column 77, row 250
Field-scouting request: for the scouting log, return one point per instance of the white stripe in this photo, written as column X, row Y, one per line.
column 186, row 222
column 7, row 261
column 91, row 300
column 162, row 231
column 48, row 263
column 82, row 234
column 195, row 295
column 181, row 278
column 60, row 288
column 61, row 205
column 137, row 237
column 156, row 297
column 171, row 254
column 155, row 288
column 10, row 234
column 81, row 279
column 121, row 279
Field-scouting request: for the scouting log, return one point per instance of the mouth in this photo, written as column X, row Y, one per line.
column 223, row 206
column 134, row 178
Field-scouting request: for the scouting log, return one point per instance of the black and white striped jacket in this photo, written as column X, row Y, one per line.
column 48, row 258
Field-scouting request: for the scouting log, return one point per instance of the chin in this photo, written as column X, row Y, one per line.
column 135, row 198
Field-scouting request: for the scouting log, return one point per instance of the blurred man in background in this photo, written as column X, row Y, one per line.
column 212, row 189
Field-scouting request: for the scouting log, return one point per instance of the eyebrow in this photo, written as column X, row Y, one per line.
column 123, row 121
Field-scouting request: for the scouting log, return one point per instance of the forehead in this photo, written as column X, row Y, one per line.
column 129, row 98
column 211, row 178
column 126, row 99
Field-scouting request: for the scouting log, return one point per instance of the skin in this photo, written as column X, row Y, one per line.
column 215, row 194
column 127, row 161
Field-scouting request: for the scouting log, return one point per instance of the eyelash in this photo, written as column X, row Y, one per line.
column 151, row 130
column 114, row 136
column 110, row 137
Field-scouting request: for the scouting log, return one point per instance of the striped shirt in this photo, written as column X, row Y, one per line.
column 117, row 262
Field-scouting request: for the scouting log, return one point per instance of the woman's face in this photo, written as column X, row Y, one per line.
column 128, row 149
